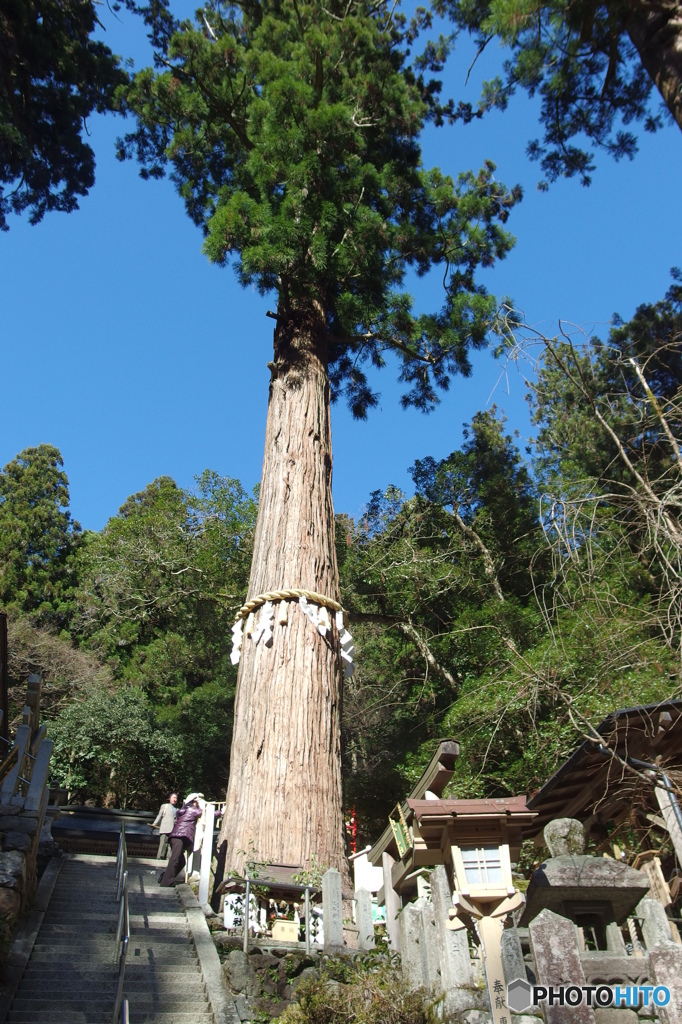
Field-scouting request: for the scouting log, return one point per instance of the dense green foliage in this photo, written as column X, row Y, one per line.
column 511, row 609
column 368, row 990
column 292, row 132
column 593, row 65
column 158, row 583
column 443, row 589
column 158, row 588
column 53, row 75
column 109, row 744
column 38, row 538
column 150, row 601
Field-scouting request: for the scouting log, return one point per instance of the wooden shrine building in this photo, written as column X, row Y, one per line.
column 625, row 775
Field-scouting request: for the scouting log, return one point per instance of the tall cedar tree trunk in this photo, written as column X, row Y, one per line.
column 284, row 796
column 655, row 28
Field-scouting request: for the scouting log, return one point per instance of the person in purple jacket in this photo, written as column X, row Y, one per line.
column 182, row 838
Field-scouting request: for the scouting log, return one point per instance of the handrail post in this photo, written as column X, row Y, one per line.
column 121, row 1011
column 118, row 859
column 123, row 923
column 247, row 914
column 124, row 861
column 121, row 858
column 206, row 852
column 307, row 921
column 121, row 975
column 121, row 882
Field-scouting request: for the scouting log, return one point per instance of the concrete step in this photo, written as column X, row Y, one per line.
column 87, row 967
column 103, row 940
column 71, row 977
column 141, row 1003
column 104, row 1017
column 76, row 897
column 93, row 974
column 86, row 917
column 154, row 907
column 104, row 952
column 71, row 909
column 86, row 875
column 64, row 960
column 178, row 926
column 184, row 988
column 72, row 932
column 105, row 889
column 68, row 928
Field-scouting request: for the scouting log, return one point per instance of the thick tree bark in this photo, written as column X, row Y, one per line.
column 655, row 28
column 284, row 797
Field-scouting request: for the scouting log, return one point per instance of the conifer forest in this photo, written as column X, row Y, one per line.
column 518, row 592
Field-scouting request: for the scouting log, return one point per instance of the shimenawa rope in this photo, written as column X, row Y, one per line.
column 287, row 595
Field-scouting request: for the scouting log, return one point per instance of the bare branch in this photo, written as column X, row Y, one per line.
column 488, row 564
column 408, row 630
column 659, row 412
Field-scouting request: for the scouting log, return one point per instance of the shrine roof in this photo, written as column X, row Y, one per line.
column 498, row 807
column 595, row 780
column 278, row 879
column 436, row 776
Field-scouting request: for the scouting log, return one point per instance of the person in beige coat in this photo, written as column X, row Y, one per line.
column 164, row 821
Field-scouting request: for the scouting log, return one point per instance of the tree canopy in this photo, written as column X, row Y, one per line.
column 292, row 134
column 136, row 616
column 53, row 75
column 160, row 579
column 594, row 66
column 158, row 587
column 38, row 537
column 511, row 603
column 109, row 745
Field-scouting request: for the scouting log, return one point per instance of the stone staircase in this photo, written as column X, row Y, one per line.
column 71, row 974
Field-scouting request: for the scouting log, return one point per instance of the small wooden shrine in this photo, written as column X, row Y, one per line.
column 626, row 774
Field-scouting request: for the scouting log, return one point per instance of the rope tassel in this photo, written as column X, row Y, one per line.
column 259, row 615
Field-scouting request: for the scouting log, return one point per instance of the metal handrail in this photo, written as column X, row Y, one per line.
column 121, row 976
column 121, row 860
column 122, row 929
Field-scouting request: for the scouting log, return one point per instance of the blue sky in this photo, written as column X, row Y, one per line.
column 126, row 349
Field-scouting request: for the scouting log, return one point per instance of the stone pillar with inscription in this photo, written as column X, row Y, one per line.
column 665, row 964
column 332, row 909
column 392, row 904
column 363, row 919
column 554, row 945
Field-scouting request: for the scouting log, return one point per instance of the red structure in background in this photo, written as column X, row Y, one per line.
column 352, row 830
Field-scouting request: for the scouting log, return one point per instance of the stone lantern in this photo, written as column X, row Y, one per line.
column 477, row 840
column 596, row 893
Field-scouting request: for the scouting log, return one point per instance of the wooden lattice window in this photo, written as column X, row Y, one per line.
column 482, row 865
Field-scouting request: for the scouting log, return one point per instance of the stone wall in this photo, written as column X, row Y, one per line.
column 19, row 839
column 23, row 805
column 264, row 983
